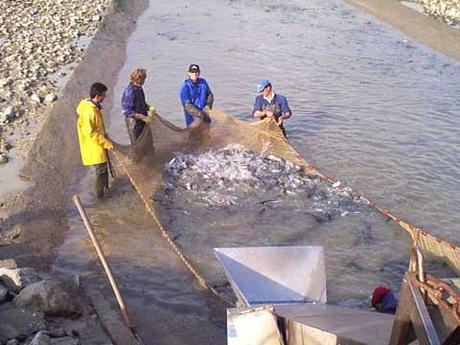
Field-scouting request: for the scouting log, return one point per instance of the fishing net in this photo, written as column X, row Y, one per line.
column 158, row 144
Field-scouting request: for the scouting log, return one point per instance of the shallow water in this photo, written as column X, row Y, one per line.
column 371, row 108
column 232, row 197
column 10, row 179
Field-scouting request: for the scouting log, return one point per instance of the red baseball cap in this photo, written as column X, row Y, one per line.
column 378, row 294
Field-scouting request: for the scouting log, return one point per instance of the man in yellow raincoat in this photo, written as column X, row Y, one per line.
column 92, row 138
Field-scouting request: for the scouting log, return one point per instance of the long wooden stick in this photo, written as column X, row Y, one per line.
column 108, row 271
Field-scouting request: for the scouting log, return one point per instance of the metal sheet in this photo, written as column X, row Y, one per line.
column 252, row 326
column 273, row 275
column 331, row 325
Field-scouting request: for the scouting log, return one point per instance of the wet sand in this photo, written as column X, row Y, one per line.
column 426, row 30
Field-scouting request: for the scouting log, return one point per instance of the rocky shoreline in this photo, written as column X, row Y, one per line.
column 40, row 42
column 37, row 309
column 447, row 11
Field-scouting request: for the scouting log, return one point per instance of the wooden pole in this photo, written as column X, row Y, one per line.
column 108, row 271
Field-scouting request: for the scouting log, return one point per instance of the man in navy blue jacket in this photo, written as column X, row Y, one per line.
column 134, row 105
column 196, row 97
column 269, row 104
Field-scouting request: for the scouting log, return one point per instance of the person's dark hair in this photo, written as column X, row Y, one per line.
column 97, row 89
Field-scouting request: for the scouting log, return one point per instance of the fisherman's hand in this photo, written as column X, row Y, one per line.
column 280, row 121
column 196, row 122
column 143, row 118
column 269, row 113
column 108, row 146
column 138, row 116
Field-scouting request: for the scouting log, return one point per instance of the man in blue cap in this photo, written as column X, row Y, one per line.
column 196, row 98
column 269, row 104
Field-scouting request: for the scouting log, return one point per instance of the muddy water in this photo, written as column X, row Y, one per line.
column 371, row 108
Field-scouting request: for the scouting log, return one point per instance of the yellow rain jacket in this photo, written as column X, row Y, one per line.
column 91, row 133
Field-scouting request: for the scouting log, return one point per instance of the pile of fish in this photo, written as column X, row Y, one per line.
column 236, row 177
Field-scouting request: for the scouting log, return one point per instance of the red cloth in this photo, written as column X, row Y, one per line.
column 378, row 294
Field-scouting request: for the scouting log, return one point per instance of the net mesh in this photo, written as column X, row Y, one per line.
column 144, row 164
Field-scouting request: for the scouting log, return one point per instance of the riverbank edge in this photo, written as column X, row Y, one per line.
column 35, row 220
column 418, row 26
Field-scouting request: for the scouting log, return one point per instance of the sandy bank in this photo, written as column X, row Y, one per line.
column 421, row 28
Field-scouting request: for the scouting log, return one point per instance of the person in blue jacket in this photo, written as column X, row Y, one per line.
column 196, row 98
column 135, row 108
column 270, row 104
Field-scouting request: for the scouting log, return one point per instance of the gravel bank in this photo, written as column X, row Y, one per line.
column 447, row 11
column 40, row 43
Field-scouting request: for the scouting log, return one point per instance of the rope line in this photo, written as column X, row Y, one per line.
column 411, row 229
column 201, row 280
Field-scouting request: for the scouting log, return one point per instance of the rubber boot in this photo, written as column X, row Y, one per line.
column 102, row 180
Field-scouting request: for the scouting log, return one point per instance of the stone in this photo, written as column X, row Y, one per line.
column 49, row 297
column 8, row 114
column 51, row 97
column 3, row 293
column 17, row 323
column 56, row 331
column 65, row 341
column 41, row 338
column 3, row 158
column 35, row 98
column 8, row 263
column 16, row 279
column 5, row 82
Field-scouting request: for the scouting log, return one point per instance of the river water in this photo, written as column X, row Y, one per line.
column 371, row 108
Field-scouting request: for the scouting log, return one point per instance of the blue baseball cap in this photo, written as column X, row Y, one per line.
column 262, row 84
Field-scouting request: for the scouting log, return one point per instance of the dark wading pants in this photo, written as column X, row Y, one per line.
column 135, row 128
column 102, row 179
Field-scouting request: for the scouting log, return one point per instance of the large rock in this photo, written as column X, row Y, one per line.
column 49, row 297
column 65, row 341
column 3, row 293
column 41, row 338
column 8, row 263
column 17, row 323
column 16, row 279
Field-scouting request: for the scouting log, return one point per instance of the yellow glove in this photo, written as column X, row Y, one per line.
column 151, row 114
